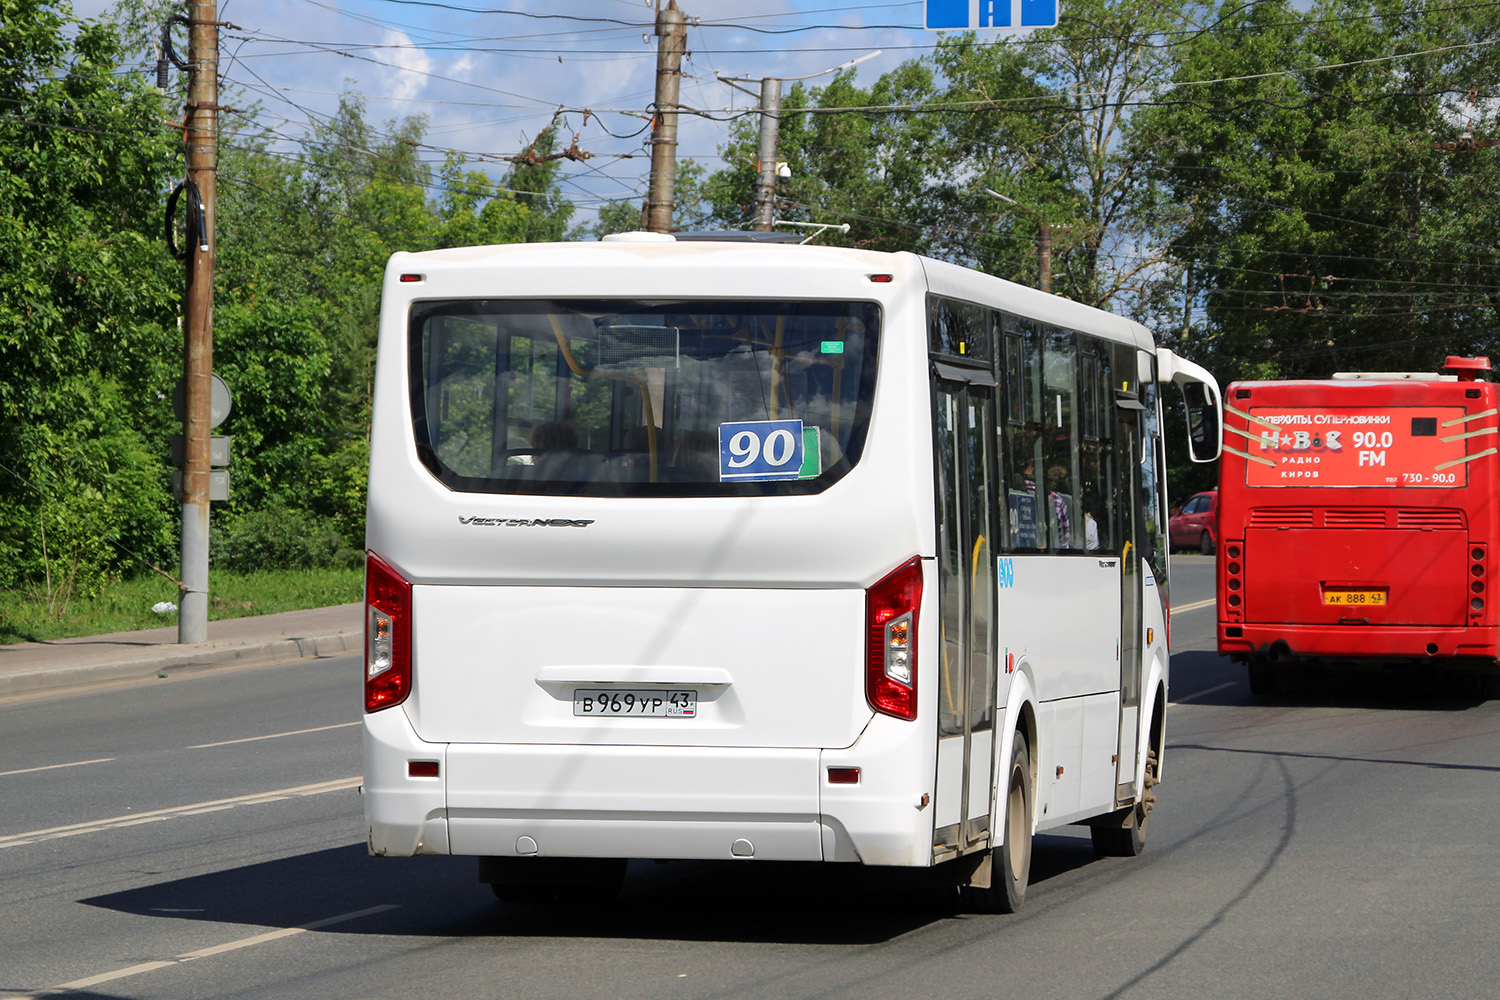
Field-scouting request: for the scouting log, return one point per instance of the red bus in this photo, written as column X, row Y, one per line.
column 1357, row 523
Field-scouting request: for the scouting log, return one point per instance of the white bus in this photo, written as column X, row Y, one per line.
column 718, row 548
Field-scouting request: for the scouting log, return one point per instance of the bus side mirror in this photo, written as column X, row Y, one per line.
column 1201, row 394
column 1203, row 422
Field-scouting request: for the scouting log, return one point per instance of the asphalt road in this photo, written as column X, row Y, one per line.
column 200, row 837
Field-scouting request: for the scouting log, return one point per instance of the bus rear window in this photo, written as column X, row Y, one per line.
column 641, row 398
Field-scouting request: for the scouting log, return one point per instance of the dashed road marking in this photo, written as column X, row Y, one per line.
column 272, row 736
column 53, row 767
column 156, row 815
column 218, row 949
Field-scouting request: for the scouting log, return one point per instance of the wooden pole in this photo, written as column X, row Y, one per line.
column 198, row 325
column 671, row 29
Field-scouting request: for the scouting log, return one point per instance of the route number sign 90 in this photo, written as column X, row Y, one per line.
column 760, row 450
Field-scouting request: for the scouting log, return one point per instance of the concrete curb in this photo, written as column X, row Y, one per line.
column 314, row 634
column 196, row 658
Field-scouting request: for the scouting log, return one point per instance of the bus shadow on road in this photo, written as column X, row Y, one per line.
column 1372, row 688
column 1206, row 678
column 345, row 891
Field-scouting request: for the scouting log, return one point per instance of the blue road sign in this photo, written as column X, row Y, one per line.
column 962, row 14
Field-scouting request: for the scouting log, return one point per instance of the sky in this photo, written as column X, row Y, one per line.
column 490, row 74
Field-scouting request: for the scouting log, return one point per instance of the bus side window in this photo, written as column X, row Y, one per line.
column 1022, row 428
column 1060, row 418
column 1096, row 447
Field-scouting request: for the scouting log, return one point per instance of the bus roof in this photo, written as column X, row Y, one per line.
column 1393, row 377
column 733, row 249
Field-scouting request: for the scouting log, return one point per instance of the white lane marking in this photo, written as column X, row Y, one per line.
column 1204, row 693
column 1195, row 605
column 116, row 822
column 273, row 736
column 52, row 767
column 218, row 949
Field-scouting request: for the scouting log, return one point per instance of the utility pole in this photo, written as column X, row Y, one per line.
column 767, row 167
column 201, row 134
column 1044, row 255
column 765, row 178
column 1187, row 304
column 671, row 29
column 1043, row 241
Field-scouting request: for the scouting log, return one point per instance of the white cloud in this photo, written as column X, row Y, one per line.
column 409, row 79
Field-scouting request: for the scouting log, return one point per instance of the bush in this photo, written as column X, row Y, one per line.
column 278, row 537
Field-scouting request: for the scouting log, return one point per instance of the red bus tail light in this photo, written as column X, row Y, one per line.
column 387, row 636
column 1479, row 573
column 891, row 641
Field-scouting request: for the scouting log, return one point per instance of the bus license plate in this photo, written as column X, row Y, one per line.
column 620, row 702
column 1357, row 598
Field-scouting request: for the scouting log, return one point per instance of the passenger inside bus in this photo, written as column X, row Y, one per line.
column 555, row 451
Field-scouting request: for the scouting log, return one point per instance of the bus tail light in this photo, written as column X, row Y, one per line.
column 1233, row 607
column 891, row 641
column 1478, row 573
column 387, row 635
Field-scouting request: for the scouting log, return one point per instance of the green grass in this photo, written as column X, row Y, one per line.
column 28, row 616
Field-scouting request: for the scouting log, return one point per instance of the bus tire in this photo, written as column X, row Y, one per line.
column 1123, row 834
column 1010, row 863
column 1206, row 544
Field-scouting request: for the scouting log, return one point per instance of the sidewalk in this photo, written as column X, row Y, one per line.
column 30, row 667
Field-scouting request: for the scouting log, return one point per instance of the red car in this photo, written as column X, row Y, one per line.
column 1196, row 523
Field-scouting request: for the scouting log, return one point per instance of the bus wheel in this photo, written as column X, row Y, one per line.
column 1010, row 863
column 1123, row 834
column 1206, row 544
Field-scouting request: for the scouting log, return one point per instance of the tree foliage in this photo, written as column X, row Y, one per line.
column 89, row 299
column 86, row 302
column 1278, row 188
column 1339, row 216
column 925, row 158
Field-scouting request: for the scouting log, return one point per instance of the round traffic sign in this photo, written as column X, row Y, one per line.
column 219, row 402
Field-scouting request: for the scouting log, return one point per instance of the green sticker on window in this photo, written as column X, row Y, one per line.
column 833, row 347
column 812, row 453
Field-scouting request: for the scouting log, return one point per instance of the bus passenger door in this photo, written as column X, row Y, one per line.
column 1131, row 516
column 966, row 609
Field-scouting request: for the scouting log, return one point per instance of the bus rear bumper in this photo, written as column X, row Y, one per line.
column 633, row 802
column 1373, row 643
column 679, row 803
column 404, row 815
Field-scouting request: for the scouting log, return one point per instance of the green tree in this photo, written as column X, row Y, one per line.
column 840, row 162
column 87, row 304
column 535, row 185
column 304, row 242
column 690, row 209
column 1048, row 120
column 1045, row 120
column 1340, row 217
